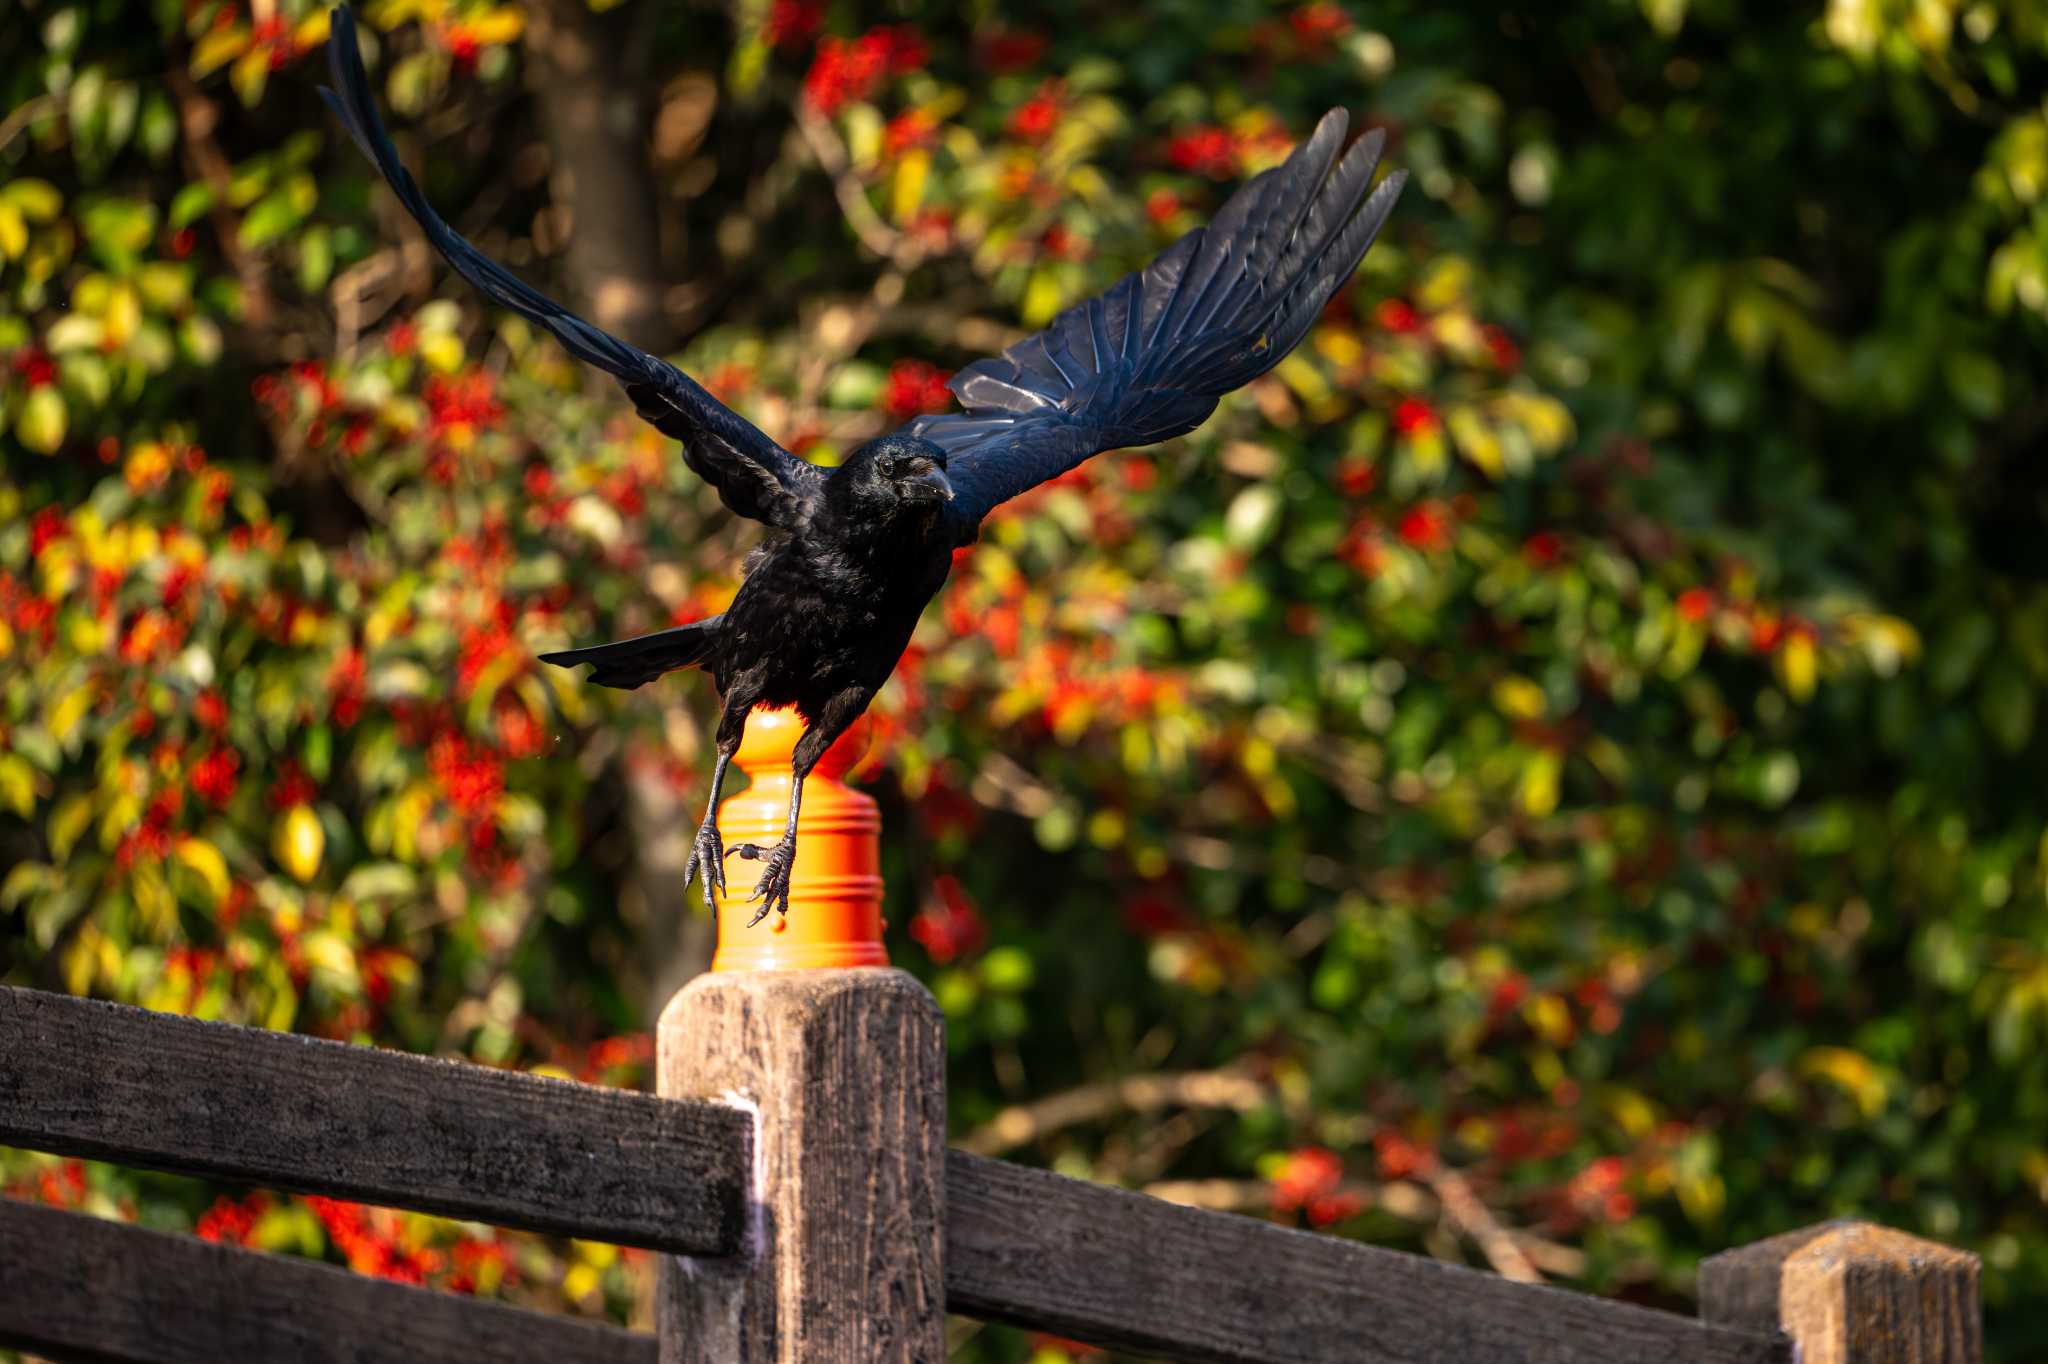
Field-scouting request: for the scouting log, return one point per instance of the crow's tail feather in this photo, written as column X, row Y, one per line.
column 629, row 663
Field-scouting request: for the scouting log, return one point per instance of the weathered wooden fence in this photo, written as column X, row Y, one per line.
column 794, row 1173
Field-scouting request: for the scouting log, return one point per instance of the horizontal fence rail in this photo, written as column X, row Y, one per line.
column 1122, row 1269
column 1022, row 1246
column 85, row 1078
column 78, row 1288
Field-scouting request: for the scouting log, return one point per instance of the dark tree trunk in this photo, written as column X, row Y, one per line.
column 589, row 77
column 676, row 937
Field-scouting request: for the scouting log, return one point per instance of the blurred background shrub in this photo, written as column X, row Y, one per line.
column 1549, row 778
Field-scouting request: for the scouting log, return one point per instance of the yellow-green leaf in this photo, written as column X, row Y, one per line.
column 75, row 332
column 13, row 231
column 1853, row 1073
column 17, row 784
column 312, row 30
column 68, row 821
column 327, row 952
column 442, row 352
column 205, row 859
column 1518, row 697
column 298, row 842
column 38, row 200
column 42, row 422
column 1477, row 441
column 218, row 48
column 1540, row 775
column 27, row 878
column 1798, row 665
column 124, row 314
column 497, row 26
column 1042, row 298
column 250, row 73
column 907, row 189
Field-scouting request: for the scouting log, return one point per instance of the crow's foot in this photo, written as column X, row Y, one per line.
column 708, row 855
column 772, row 890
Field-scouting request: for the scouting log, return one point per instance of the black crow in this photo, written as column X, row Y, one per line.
column 853, row 553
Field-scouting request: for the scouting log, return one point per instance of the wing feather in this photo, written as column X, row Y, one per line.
column 1149, row 358
column 754, row 476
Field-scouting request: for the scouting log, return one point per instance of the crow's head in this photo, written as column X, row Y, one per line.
column 894, row 475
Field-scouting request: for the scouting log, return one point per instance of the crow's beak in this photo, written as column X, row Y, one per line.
column 939, row 487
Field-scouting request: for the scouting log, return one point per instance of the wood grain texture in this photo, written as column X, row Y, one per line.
column 1740, row 1287
column 75, row 1288
column 1119, row 1269
column 847, row 1069
column 1852, row 1293
column 84, row 1078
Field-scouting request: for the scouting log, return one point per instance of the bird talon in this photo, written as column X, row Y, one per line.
column 707, row 855
column 772, row 890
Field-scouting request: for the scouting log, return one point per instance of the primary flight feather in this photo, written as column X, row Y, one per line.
column 854, row 553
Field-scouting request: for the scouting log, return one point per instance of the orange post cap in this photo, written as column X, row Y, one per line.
column 835, row 885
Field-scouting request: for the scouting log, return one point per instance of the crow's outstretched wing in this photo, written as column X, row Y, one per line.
column 754, row 476
column 1150, row 357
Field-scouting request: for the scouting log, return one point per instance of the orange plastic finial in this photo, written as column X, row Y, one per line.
column 835, row 886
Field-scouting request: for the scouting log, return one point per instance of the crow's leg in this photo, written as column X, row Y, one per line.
column 773, row 888
column 708, row 851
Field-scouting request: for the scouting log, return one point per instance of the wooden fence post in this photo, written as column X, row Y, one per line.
column 846, row 1072
column 1852, row 1293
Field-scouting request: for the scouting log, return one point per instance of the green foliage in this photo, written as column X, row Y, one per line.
column 1572, row 729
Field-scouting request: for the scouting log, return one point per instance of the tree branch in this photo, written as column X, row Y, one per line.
column 1229, row 1088
column 880, row 238
column 24, row 114
column 205, row 162
column 1403, row 1199
column 1471, row 1216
